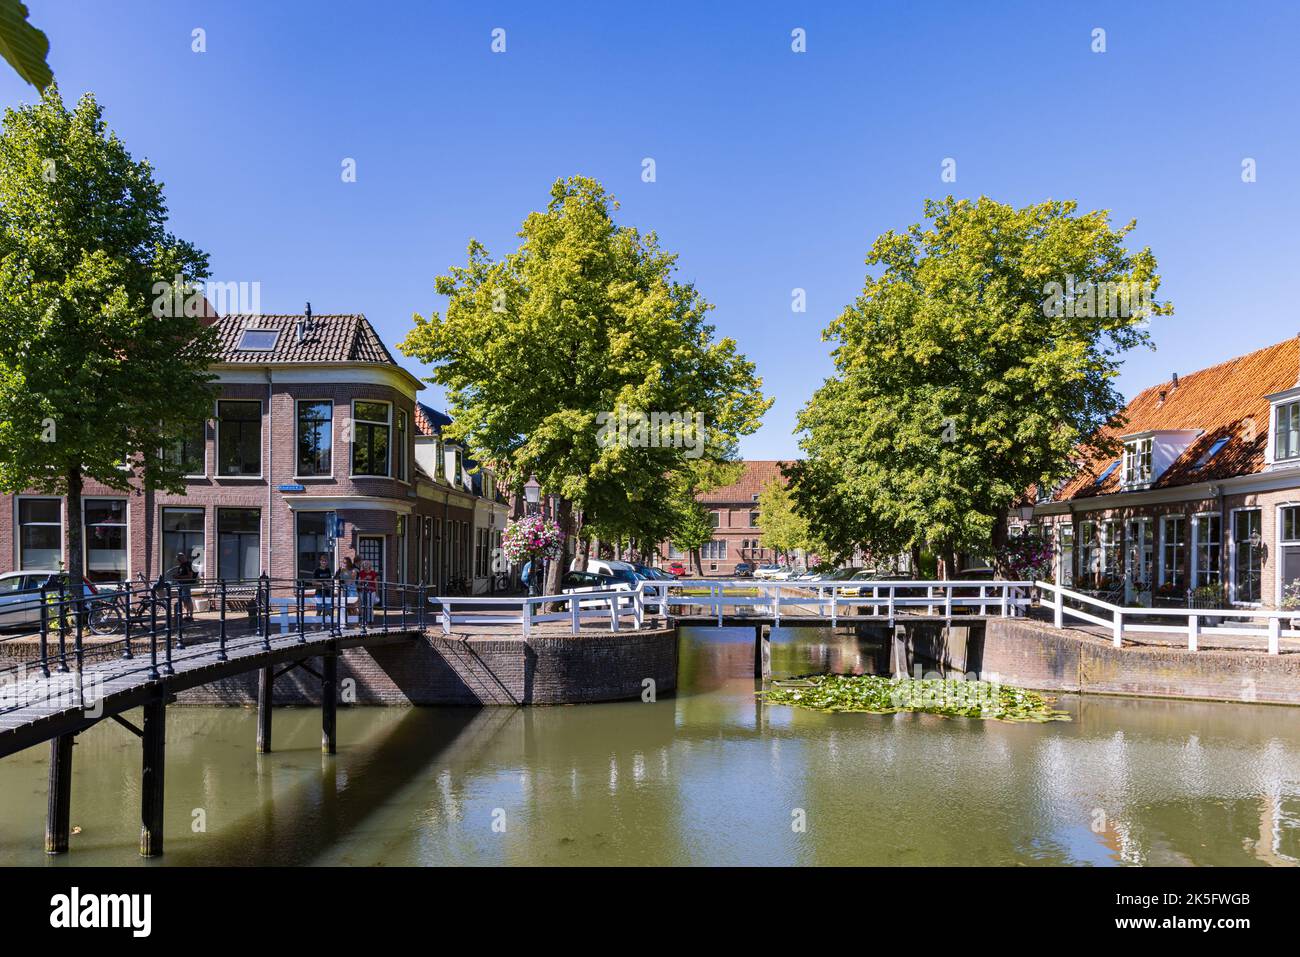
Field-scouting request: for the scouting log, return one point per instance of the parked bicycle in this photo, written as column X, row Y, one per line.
column 460, row 586
column 110, row 611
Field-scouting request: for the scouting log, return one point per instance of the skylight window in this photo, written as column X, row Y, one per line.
column 1106, row 474
column 1211, row 452
column 258, row 340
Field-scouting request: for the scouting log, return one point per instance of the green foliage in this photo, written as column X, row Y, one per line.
column 784, row 529
column 954, row 390
column 586, row 318
column 23, row 45
column 89, row 376
column 878, row 695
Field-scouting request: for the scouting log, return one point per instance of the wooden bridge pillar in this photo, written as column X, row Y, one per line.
column 59, row 809
column 898, row 657
column 265, row 682
column 154, row 741
column 762, row 652
column 329, row 694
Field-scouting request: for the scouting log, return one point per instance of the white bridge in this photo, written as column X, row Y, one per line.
column 746, row 601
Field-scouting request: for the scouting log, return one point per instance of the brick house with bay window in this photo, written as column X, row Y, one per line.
column 1205, row 495
column 316, row 446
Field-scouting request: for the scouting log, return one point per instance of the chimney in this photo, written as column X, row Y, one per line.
column 1174, row 384
column 1161, row 400
column 305, row 327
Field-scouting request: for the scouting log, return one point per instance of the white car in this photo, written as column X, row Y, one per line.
column 578, row 582
column 767, row 571
column 20, row 597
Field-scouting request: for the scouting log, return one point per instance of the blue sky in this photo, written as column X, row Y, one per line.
column 775, row 170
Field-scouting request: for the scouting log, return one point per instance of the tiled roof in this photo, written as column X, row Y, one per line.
column 758, row 473
column 1223, row 401
column 429, row 421
column 333, row 338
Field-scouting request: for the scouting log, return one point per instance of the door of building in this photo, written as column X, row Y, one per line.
column 1138, row 558
column 370, row 548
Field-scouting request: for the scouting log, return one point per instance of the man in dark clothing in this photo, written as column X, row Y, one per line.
column 184, row 575
column 324, row 591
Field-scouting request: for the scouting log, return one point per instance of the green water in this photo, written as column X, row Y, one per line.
column 707, row 777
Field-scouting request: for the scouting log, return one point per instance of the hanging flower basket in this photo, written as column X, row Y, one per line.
column 530, row 538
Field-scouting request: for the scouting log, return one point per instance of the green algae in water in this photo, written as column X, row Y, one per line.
column 946, row 696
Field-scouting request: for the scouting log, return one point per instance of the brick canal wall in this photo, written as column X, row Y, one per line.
column 432, row 669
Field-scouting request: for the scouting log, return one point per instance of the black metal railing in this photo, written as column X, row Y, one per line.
column 54, row 632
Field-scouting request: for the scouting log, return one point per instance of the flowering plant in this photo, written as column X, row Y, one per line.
column 1291, row 595
column 1027, row 557
column 532, row 537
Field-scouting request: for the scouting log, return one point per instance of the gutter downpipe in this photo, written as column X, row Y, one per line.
column 270, row 468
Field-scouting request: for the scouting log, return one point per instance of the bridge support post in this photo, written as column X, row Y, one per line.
column 898, row 657
column 329, row 694
column 762, row 652
column 154, row 741
column 265, row 681
column 58, row 812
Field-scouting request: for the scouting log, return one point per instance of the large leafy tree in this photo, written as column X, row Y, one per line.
column 585, row 318
column 785, row 529
column 100, row 374
column 969, row 369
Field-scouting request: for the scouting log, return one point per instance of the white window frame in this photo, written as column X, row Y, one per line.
column 1279, row 543
column 1195, row 539
column 203, row 474
column 323, row 476
column 1232, row 555
column 240, row 347
column 18, row 527
column 126, row 536
column 352, row 457
column 1136, row 452
column 1277, row 430
column 1161, row 568
column 163, row 556
column 216, row 445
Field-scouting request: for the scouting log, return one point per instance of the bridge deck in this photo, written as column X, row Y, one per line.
column 37, row 709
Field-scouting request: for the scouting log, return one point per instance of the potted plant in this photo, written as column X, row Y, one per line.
column 1207, row 596
column 1142, row 593
column 532, row 538
column 1291, row 599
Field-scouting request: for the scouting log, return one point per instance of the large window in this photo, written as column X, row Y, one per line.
column 239, row 543
column 1287, row 430
column 1066, row 538
column 1288, row 543
column 105, row 539
column 1089, row 556
column 714, row 551
column 315, row 438
column 1173, row 551
column 1247, row 554
column 715, row 518
column 190, row 452
column 239, row 437
column 1205, row 551
column 1111, row 542
column 370, row 438
column 40, row 533
column 182, row 534
column 1137, row 462
column 314, row 540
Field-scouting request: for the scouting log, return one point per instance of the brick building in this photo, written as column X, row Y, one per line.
column 316, row 445
column 733, row 509
column 1206, row 494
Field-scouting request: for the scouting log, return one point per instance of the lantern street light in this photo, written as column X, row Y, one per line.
column 532, row 493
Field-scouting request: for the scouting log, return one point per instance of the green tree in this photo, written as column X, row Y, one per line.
column 100, row 373
column 784, row 529
column 970, row 370
column 545, row 352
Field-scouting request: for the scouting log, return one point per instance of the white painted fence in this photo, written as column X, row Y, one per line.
column 1258, row 622
column 831, row 602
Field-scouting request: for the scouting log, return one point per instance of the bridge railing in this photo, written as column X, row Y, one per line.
column 51, row 630
column 1271, row 625
column 609, row 606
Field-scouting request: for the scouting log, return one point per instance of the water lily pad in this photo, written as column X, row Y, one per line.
column 952, row 697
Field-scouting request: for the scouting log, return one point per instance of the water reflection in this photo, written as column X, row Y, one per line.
column 711, row 776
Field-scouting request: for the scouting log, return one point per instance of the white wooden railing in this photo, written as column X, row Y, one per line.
column 737, row 598
column 1258, row 623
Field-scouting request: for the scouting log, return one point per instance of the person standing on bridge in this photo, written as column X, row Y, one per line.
column 347, row 576
column 184, row 575
column 324, row 591
column 367, row 583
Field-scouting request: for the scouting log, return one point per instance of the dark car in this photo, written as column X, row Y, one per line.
column 743, row 570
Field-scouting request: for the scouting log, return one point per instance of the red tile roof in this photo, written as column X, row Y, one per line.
column 1224, row 401
column 758, row 473
column 333, row 338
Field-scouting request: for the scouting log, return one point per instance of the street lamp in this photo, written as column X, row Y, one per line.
column 532, row 493
column 532, row 498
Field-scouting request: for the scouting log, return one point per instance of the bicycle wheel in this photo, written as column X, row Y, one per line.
column 105, row 618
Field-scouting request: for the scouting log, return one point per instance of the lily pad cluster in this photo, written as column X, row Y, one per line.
column 947, row 696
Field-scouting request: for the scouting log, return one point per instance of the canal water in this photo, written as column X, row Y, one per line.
column 709, row 776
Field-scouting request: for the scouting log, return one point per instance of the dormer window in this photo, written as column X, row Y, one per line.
column 1137, row 462
column 1286, row 428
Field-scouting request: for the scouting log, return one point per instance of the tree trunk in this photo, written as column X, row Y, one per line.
column 584, row 553
column 695, row 559
column 76, row 563
column 556, row 569
column 999, row 541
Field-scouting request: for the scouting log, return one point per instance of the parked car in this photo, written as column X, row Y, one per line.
column 676, row 569
column 767, row 570
column 743, row 570
column 20, row 596
column 575, row 582
column 651, row 574
column 619, row 571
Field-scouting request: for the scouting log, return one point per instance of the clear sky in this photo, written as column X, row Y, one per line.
column 775, row 169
